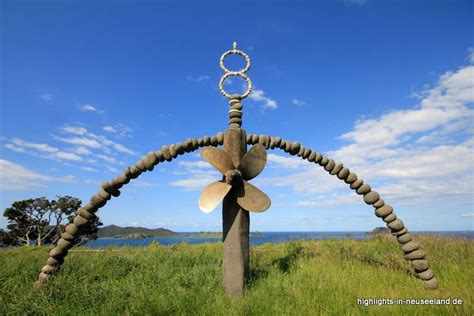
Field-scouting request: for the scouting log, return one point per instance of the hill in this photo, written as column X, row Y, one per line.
column 117, row 231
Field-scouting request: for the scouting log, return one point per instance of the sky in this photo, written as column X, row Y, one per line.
column 386, row 87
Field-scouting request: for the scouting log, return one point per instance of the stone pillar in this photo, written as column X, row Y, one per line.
column 235, row 224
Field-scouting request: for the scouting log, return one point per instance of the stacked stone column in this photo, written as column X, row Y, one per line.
column 410, row 247
column 73, row 230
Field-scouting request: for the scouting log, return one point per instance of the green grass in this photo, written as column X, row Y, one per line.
column 297, row 278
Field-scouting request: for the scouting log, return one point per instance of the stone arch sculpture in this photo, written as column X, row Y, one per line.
column 237, row 165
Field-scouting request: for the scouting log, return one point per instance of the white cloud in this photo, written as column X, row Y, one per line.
column 194, row 183
column 198, row 78
column 81, row 150
column 298, row 102
column 415, row 156
column 40, row 147
column 194, row 164
column 467, row 214
column 74, row 130
column 81, row 141
column 354, row 2
column 110, row 129
column 89, row 108
column 266, row 102
column 470, row 57
column 40, row 150
column 47, row 97
column 286, row 162
column 89, row 169
column 15, row 177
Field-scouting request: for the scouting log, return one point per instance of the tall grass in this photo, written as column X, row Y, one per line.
column 296, row 278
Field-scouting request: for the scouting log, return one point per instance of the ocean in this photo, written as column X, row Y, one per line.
column 268, row 237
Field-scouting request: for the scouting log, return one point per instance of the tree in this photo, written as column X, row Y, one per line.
column 6, row 239
column 39, row 221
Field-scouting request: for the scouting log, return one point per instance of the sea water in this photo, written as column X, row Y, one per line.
column 267, row 237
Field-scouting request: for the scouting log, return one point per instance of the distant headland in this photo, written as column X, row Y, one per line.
column 114, row 231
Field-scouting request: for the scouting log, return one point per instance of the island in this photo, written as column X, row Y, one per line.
column 114, row 231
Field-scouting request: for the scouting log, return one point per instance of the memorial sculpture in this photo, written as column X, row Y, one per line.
column 238, row 195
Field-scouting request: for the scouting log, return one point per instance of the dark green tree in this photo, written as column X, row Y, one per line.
column 40, row 221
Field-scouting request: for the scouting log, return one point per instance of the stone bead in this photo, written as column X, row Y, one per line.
column 351, row 178
column 72, row 229
column 312, row 156
column 306, row 153
column 357, row 183
column 103, row 194
column 67, row 236
column 403, row 239
column 318, row 158
column 159, row 156
column 132, row 172
column 338, row 167
column 431, row 284
column 283, row 144
column 150, row 160
column 410, row 246
column 415, row 255
column 343, row 173
column 55, row 261
column 80, row 221
column 110, row 188
column 295, row 148
column 426, row 275
column 371, row 197
column 330, row 165
column 383, row 211
column 264, row 140
column 248, row 139
column 90, row 208
column 254, row 139
column 235, row 121
column 140, row 165
column 201, row 142
column 363, row 189
column 324, row 161
column 97, row 201
column 390, row 218
column 179, row 148
column 300, row 152
column 43, row 277
column 419, row 265
column 400, row 232
column 188, row 145
column 173, row 151
column 48, row 269
column 195, row 144
column 278, row 141
column 84, row 213
column 287, row 147
column 57, row 253
column 272, row 142
column 235, row 115
column 214, row 140
column 396, row 225
column 166, row 153
column 379, row 203
column 220, row 138
column 116, row 184
column 64, row 244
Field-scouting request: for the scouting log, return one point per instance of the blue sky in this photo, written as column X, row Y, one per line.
column 385, row 87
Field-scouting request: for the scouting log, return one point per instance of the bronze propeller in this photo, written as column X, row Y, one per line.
column 248, row 196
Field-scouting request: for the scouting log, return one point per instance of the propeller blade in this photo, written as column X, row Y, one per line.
column 252, row 199
column 218, row 158
column 212, row 195
column 253, row 162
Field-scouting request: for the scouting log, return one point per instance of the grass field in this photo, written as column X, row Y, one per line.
column 297, row 278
